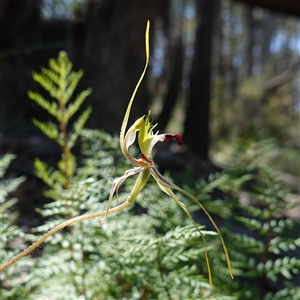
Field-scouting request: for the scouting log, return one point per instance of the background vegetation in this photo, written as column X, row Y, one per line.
column 240, row 158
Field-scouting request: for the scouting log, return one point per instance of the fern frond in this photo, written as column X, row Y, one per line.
column 50, row 129
column 279, row 244
column 50, row 176
column 47, row 84
column 251, row 244
column 9, row 185
column 50, row 107
column 51, row 75
column 62, row 65
column 284, row 266
column 5, row 161
column 68, row 167
column 291, row 292
column 78, row 125
column 74, row 106
column 12, row 239
column 71, row 83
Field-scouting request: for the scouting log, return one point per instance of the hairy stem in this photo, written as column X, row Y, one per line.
column 60, row 227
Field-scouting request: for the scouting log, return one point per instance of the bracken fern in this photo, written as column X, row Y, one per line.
column 12, row 237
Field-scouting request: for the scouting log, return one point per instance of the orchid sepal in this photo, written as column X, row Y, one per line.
column 167, row 187
column 127, row 113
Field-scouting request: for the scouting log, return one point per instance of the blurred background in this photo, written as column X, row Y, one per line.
column 223, row 74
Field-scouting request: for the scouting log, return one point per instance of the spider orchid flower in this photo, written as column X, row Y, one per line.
column 144, row 165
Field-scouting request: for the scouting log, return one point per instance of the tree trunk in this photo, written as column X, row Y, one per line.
column 114, row 45
column 173, row 85
column 196, row 127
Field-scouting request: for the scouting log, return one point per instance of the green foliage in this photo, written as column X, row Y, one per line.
column 159, row 255
column 152, row 255
column 265, row 250
column 60, row 82
column 149, row 250
column 7, row 185
column 117, row 257
column 11, row 237
column 253, row 204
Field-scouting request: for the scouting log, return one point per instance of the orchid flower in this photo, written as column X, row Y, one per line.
column 144, row 167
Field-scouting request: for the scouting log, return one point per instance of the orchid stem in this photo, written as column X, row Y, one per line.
column 60, row 227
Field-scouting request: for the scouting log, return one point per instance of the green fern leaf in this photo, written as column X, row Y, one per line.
column 50, row 129
column 73, row 107
column 5, row 161
column 50, row 107
column 77, row 127
column 44, row 81
column 50, row 176
column 71, row 83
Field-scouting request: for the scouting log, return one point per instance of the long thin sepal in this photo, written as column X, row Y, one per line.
column 212, row 221
column 163, row 182
column 172, row 195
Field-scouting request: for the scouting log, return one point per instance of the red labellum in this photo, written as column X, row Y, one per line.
column 168, row 137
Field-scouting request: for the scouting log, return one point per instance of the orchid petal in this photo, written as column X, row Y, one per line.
column 138, row 186
column 129, row 140
column 131, row 133
column 147, row 139
column 147, row 146
column 115, row 187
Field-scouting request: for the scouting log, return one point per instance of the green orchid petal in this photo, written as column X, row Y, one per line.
column 144, row 174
